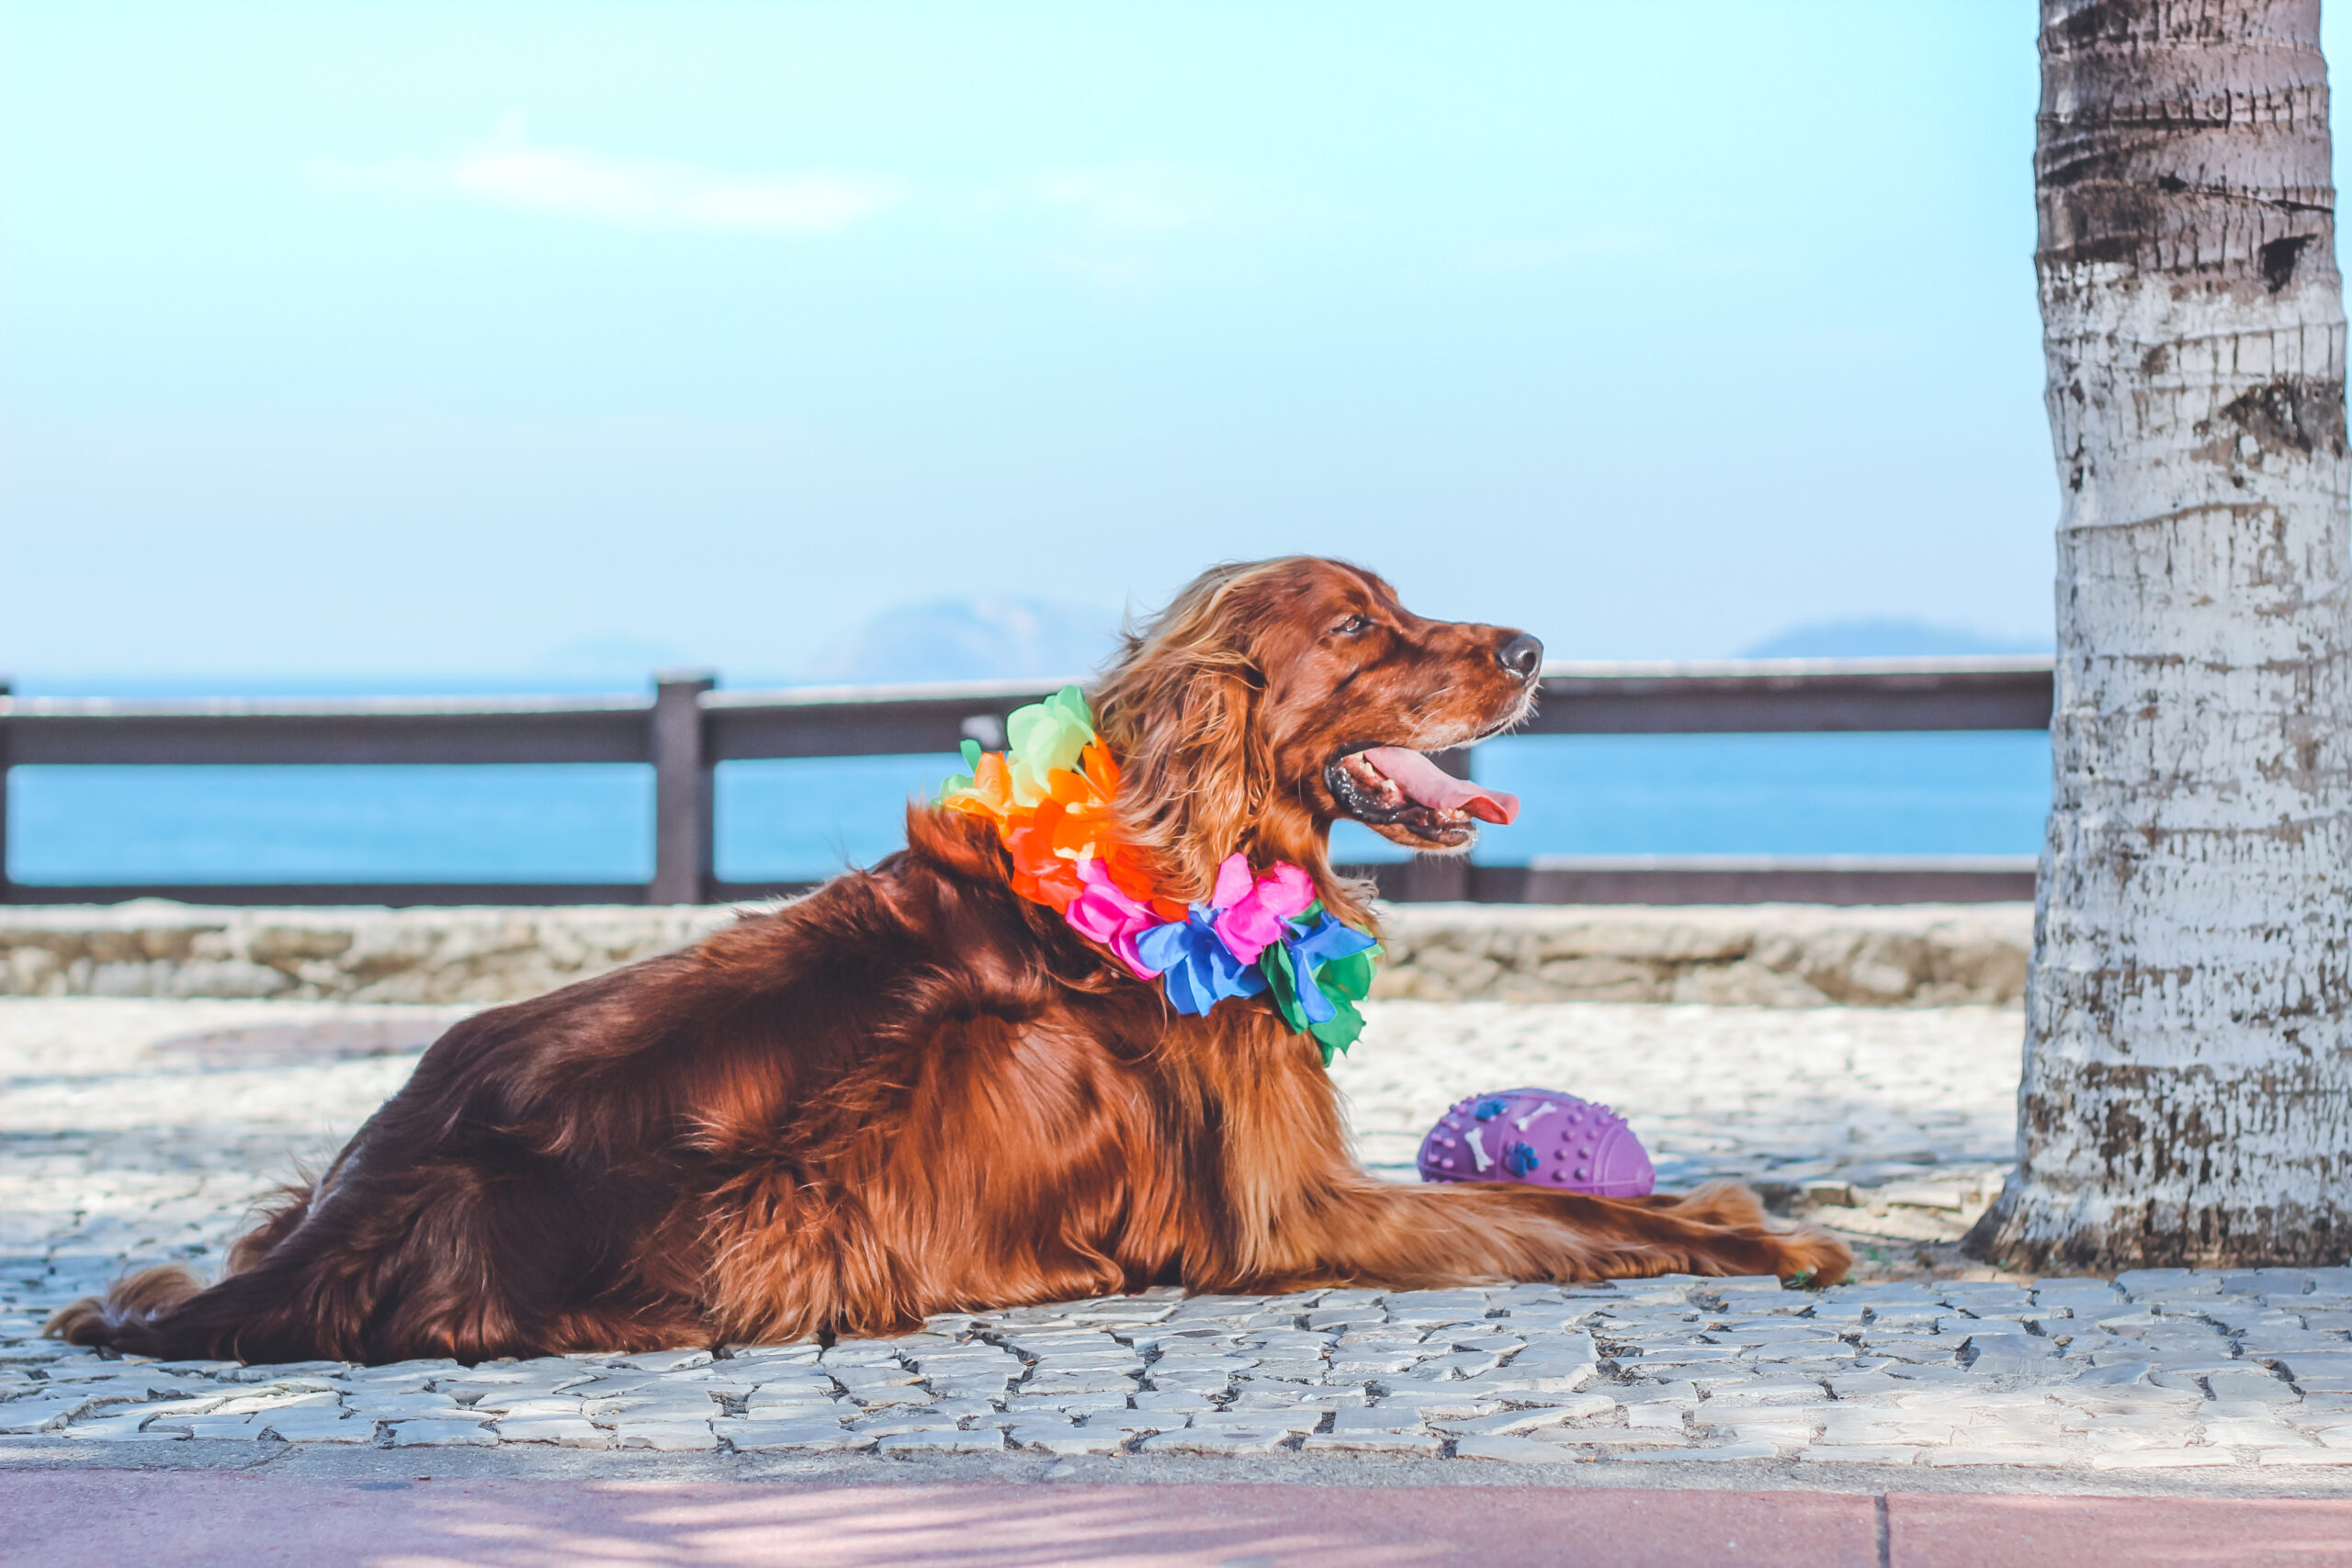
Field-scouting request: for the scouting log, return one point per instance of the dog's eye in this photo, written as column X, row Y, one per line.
column 1350, row 626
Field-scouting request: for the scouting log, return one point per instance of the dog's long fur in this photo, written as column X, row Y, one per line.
column 915, row 1091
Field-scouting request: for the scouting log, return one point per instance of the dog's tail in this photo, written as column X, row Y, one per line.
column 136, row 1315
column 167, row 1312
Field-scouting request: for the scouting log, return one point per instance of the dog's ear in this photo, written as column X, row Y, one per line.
column 1194, row 768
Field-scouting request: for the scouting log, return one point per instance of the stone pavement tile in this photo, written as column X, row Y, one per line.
column 319, row 1426
column 1068, row 1439
column 795, row 1405
column 805, row 1436
column 893, row 1422
column 1719, row 1453
column 1219, row 1442
column 1760, row 1391
column 1816, row 1360
column 2243, row 1433
column 884, row 1396
column 289, row 1374
column 1517, row 1422
column 417, row 1405
column 2252, row 1383
column 1386, row 1418
column 1862, row 1385
column 1997, row 1354
column 1433, row 1401
column 1514, row 1381
column 1666, row 1415
column 260, row 1405
column 518, row 1409
column 1782, row 1434
column 1858, row 1453
column 1721, row 1411
column 564, row 1431
column 1173, row 1402
column 112, row 1427
column 1297, row 1420
column 1136, row 1422
column 1588, row 1402
column 441, row 1434
column 1681, row 1357
column 666, row 1436
column 2164, row 1459
column 665, row 1360
column 2021, row 1453
column 1414, row 1444
column 1506, row 1449
column 1043, row 1385
column 1079, row 1405
column 1610, row 1439
column 2305, row 1457
column 985, row 1440
column 37, row 1415
column 1296, row 1397
column 2308, row 1368
column 966, row 1409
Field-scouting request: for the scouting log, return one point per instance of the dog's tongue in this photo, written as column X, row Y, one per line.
column 1432, row 786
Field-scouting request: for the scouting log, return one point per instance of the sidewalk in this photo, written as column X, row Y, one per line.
column 137, row 1130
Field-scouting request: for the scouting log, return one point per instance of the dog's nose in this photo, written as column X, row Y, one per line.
column 1522, row 656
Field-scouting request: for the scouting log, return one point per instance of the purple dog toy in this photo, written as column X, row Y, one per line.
column 1538, row 1135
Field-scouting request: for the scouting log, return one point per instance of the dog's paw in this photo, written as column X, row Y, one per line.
column 1813, row 1259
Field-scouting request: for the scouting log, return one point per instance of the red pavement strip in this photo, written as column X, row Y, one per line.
column 85, row 1518
column 1943, row 1530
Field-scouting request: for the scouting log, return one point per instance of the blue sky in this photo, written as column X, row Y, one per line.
column 348, row 341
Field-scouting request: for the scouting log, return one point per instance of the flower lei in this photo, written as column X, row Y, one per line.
column 1049, row 793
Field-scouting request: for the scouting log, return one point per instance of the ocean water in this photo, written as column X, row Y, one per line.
column 1881, row 794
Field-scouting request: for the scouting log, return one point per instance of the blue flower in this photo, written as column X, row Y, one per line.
column 1196, row 966
column 1309, row 949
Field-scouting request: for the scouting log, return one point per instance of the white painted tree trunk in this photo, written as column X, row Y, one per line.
column 2188, row 1093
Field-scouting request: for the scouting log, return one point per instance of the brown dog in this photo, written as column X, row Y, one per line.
column 915, row 1091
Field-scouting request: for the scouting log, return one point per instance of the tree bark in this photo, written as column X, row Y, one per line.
column 2188, row 1060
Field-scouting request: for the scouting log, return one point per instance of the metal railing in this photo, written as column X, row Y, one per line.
column 688, row 727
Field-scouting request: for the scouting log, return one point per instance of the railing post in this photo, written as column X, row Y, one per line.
column 682, row 792
column 7, row 689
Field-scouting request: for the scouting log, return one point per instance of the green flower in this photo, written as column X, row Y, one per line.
column 1339, row 961
column 1044, row 736
column 964, row 780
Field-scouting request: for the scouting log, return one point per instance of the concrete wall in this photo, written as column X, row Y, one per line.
column 1757, row 954
column 1769, row 955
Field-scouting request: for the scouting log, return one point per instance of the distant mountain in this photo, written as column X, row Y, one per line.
column 972, row 639
column 1886, row 637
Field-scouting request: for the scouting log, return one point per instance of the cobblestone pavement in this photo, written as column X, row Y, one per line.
column 139, row 1132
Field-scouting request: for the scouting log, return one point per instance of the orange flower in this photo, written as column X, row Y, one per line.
column 1040, row 871
column 988, row 794
column 1068, row 822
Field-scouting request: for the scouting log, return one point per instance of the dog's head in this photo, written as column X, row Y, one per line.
column 1272, row 698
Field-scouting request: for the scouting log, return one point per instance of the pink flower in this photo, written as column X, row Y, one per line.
column 1102, row 913
column 1250, row 916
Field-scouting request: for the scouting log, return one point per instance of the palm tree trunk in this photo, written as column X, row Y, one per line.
column 2187, row 1091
